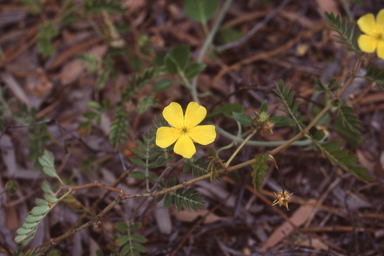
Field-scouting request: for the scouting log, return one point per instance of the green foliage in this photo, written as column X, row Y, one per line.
column 345, row 32
column 103, row 67
column 226, row 110
column 199, row 168
column 200, row 10
column 10, row 187
column 354, row 139
column 119, row 128
column 332, row 85
column 130, row 244
column 47, row 162
column 45, row 34
column 138, row 82
column 94, row 115
column 34, row 6
column 162, row 85
column 194, row 69
column 148, row 151
column 349, row 120
column 90, row 164
column 342, row 158
column 35, row 252
column 259, row 168
column 228, row 35
column 39, row 136
column 376, row 75
column 286, row 97
column 96, row 6
column 177, row 58
column 34, row 217
column 4, row 107
column 145, row 103
column 187, row 198
column 243, row 119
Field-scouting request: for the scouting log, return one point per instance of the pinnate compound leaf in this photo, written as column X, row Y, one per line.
column 259, row 168
column 47, row 161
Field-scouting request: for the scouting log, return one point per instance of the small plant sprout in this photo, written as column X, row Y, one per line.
column 184, row 129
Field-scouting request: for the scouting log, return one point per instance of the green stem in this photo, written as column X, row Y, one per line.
column 206, row 45
column 236, row 139
column 240, row 147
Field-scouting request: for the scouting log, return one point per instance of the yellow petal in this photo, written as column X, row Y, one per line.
column 367, row 24
column 203, row 134
column 184, row 146
column 166, row 136
column 380, row 49
column 380, row 20
column 173, row 113
column 194, row 114
column 367, row 43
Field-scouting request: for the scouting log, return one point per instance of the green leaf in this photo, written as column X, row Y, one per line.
column 349, row 160
column 264, row 107
column 39, row 210
column 122, row 226
column 351, row 137
column 139, row 153
column 23, row 231
column 360, row 172
column 137, row 161
column 194, row 69
column 200, row 10
column 177, row 58
column 139, row 247
column 33, row 218
column 138, row 175
column 50, row 198
column 125, row 250
column 168, row 200
column 122, row 240
column 93, row 105
column 39, row 201
column 46, row 187
column 319, row 135
column 281, row 121
column 243, row 119
column 138, row 238
column 135, row 226
column 226, row 110
column 228, row 35
column 332, row 145
column 162, row 85
column 339, row 153
column 20, row 238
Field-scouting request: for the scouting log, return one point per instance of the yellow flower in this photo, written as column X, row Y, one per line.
column 185, row 129
column 374, row 31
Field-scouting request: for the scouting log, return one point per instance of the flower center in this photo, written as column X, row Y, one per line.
column 380, row 36
column 184, row 129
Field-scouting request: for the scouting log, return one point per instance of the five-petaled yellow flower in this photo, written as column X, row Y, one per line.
column 184, row 129
column 374, row 31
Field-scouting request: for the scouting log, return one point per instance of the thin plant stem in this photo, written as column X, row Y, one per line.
column 240, row 147
column 206, row 45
